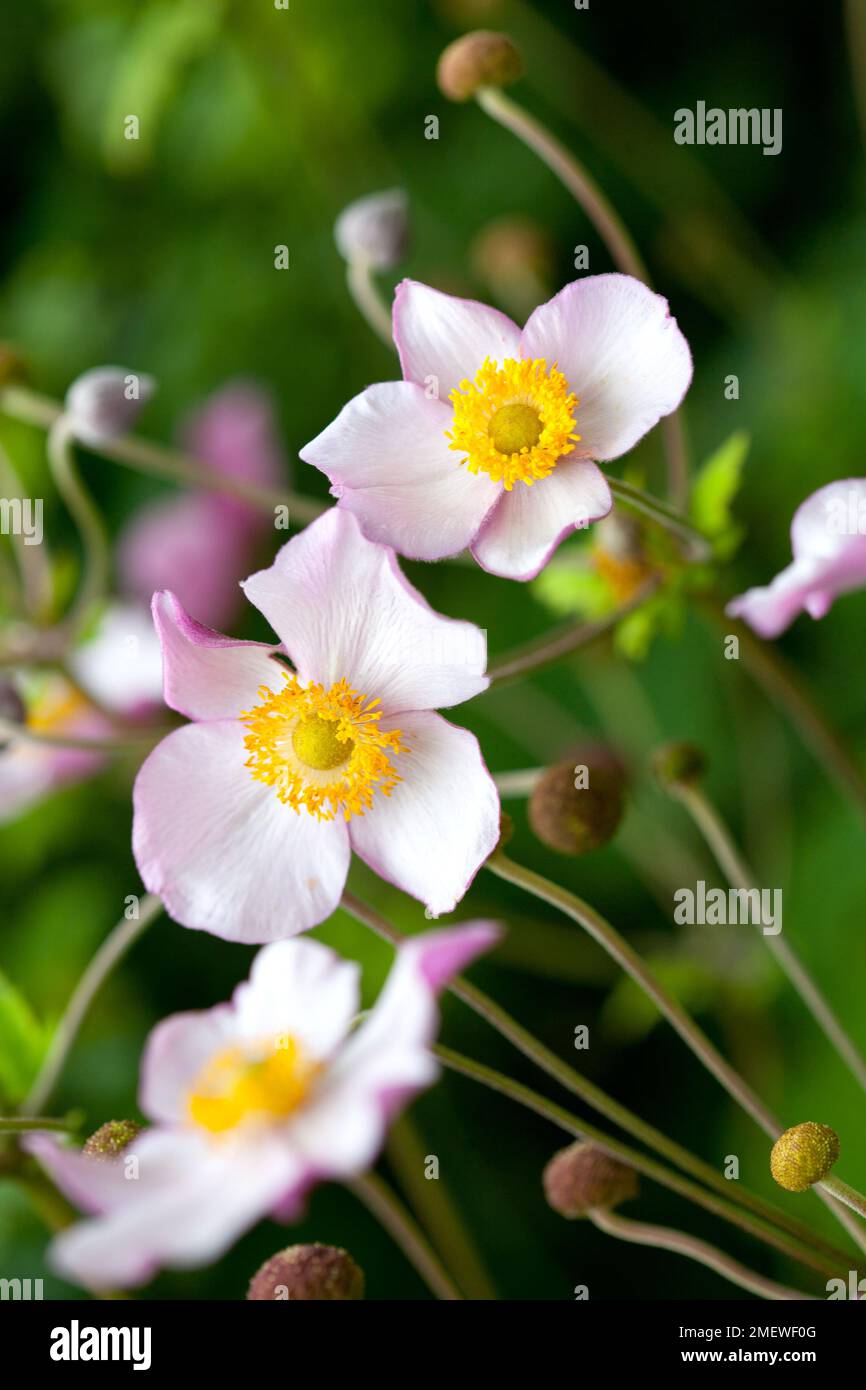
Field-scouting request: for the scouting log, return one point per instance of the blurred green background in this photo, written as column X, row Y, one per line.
column 258, row 127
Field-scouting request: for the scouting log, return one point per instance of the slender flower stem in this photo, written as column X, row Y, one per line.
column 17, row 1124
column 362, row 288
column 434, row 1205
column 111, row 952
column 664, row 1238
column 785, row 689
column 657, row 1172
column 738, row 873
column 145, row 457
column 86, row 515
column 849, row 1195
column 571, row 174
column 629, row 960
column 518, row 784
column 696, row 547
column 390, row 1213
column 545, row 651
column 592, row 1095
column 607, row 223
column 694, row 1037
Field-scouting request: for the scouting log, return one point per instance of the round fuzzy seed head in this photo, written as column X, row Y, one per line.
column 111, row 1138
column 479, row 59
column 803, row 1156
column 582, row 1177
column 308, row 1274
column 679, row 764
column 577, row 805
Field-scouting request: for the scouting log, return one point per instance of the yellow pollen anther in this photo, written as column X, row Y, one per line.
column 316, row 743
column 514, row 421
column 321, row 750
column 267, row 1082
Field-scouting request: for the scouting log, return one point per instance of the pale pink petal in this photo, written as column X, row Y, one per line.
column 390, row 464
column 388, row 1059
column 621, row 353
column 222, row 850
column 344, row 611
column 443, row 340
column 92, row 1184
column 121, row 664
column 190, row 1201
column 300, row 988
column 433, row 833
column 828, row 538
column 523, row 531
column 175, row 1054
column 206, row 675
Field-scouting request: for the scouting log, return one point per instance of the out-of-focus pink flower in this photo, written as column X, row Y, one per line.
column 120, row 668
column 199, row 544
column 245, row 819
column 254, row 1102
column 489, row 440
column 828, row 538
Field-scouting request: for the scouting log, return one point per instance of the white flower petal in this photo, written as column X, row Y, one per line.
column 447, row 339
column 621, row 353
column 433, row 833
column 519, row 537
column 221, row 849
column 344, row 611
column 206, row 675
column 390, row 464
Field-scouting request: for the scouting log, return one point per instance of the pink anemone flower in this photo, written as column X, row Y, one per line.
column 490, row 439
column 828, row 538
column 254, row 1102
column 244, row 820
column 198, row 543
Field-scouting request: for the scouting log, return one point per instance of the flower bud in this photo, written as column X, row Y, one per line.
column 111, row 1138
column 803, row 1156
column 678, row 764
column 577, row 804
column 308, row 1274
column 583, row 1177
column 104, row 403
column 375, row 229
column 480, row 59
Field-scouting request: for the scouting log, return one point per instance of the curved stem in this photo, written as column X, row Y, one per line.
column 633, row 964
column 718, row 838
column 693, row 1036
column 518, row 784
column 607, row 223
column 664, row 1238
column 17, row 1124
column 390, row 1213
column 362, row 288
column 785, row 689
column 146, row 457
column 86, row 515
column 592, row 1095
column 580, row 1129
column 112, row 950
column 435, row 1207
column 564, row 641
column 844, row 1193
column 696, row 547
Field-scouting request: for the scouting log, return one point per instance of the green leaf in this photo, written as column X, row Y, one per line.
column 714, row 490
column 573, row 591
column 23, row 1041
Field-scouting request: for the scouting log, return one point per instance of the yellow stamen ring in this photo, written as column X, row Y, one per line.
column 321, row 749
column 267, row 1082
column 515, row 421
